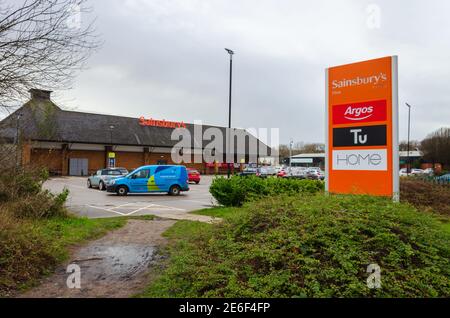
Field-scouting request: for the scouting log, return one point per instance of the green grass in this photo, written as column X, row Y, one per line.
column 446, row 227
column 218, row 212
column 308, row 246
column 63, row 232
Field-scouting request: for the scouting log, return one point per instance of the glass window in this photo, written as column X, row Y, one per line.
column 142, row 174
column 99, row 172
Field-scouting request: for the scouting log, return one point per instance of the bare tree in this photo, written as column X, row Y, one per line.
column 436, row 147
column 413, row 145
column 42, row 45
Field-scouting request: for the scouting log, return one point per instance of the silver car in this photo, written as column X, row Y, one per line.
column 103, row 176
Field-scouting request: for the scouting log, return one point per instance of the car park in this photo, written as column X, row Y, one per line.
column 416, row 172
column 412, row 172
column 102, row 177
column 249, row 171
column 265, row 172
column 152, row 179
column 193, row 175
column 295, row 172
column 315, row 174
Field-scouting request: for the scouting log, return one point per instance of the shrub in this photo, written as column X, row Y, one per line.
column 237, row 190
column 24, row 253
column 42, row 205
column 311, row 246
column 425, row 195
column 16, row 183
column 22, row 196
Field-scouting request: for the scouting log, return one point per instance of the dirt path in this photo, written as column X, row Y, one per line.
column 114, row 266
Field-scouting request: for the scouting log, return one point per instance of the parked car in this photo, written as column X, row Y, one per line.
column 101, row 178
column 282, row 173
column 412, row 172
column 417, row 172
column 315, row 174
column 295, row 172
column 193, row 175
column 278, row 169
column 249, row 171
column 265, row 172
column 444, row 178
column 429, row 172
column 155, row 178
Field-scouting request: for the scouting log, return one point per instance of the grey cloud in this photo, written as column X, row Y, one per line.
column 166, row 59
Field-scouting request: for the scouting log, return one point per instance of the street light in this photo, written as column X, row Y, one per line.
column 409, row 129
column 290, row 155
column 230, row 52
column 111, row 127
column 18, row 150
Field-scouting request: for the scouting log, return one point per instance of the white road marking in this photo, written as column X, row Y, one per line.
column 147, row 207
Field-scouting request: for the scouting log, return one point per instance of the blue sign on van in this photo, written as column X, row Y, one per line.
column 155, row 178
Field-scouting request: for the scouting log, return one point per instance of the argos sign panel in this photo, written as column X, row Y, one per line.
column 362, row 128
column 364, row 112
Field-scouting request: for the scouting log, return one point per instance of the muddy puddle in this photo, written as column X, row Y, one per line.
column 123, row 261
column 116, row 265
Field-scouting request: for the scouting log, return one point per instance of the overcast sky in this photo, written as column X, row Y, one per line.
column 165, row 59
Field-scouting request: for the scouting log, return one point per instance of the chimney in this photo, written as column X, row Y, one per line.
column 40, row 94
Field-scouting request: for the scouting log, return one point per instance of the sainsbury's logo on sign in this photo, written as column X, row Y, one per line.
column 357, row 81
column 360, row 112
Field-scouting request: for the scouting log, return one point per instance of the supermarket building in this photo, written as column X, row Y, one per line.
column 79, row 143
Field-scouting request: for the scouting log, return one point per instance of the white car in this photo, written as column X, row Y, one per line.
column 412, row 172
column 417, row 172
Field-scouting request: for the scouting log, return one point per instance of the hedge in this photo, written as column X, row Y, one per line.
column 238, row 190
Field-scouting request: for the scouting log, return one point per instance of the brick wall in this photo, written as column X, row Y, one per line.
column 129, row 160
column 49, row 158
column 53, row 160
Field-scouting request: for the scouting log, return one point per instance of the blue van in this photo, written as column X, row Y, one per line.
column 148, row 179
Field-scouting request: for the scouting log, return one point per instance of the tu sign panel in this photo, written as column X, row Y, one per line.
column 362, row 128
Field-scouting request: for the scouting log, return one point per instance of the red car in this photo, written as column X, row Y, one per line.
column 281, row 174
column 193, row 175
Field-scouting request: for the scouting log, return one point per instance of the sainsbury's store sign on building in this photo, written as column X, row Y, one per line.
column 362, row 128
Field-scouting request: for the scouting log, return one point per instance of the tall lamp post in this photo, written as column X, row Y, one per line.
column 230, row 52
column 290, row 155
column 18, row 150
column 408, row 168
column 111, row 127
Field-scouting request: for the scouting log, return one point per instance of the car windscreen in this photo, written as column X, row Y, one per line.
column 113, row 173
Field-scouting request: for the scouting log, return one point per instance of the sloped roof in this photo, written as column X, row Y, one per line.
column 42, row 120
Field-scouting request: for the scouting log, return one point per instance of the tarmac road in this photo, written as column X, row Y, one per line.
column 93, row 203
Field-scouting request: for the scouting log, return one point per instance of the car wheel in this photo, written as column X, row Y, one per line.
column 197, row 182
column 89, row 185
column 101, row 186
column 122, row 191
column 174, row 190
